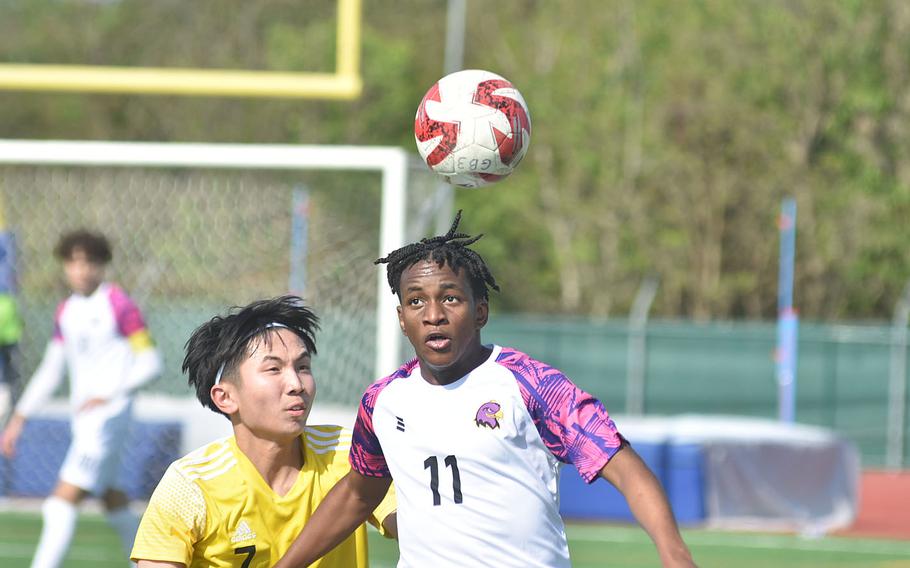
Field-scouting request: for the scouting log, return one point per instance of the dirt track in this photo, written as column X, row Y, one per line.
column 884, row 509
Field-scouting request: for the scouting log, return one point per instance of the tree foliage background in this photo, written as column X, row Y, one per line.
column 665, row 134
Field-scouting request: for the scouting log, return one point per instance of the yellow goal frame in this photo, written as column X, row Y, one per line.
column 344, row 83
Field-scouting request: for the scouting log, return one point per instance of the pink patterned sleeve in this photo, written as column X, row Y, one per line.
column 574, row 425
column 129, row 318
column 366, row 455
column 58, row 330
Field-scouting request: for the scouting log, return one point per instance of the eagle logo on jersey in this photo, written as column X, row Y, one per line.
column 489, row 414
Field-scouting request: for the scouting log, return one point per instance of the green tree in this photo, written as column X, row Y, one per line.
column 665, row 134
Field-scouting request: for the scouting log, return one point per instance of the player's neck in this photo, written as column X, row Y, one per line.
column 448, row 375
column 278, row 461
column 87, row 291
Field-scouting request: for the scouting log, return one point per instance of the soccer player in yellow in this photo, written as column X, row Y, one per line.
column 241, row 501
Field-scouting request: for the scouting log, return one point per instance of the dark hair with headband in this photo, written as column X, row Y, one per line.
column 217, row 348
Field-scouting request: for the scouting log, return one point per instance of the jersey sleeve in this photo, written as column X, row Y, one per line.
column 58, row 329
column 130, row 323
column 386, row 507
column 173, row 522
column 574, row 425
column 366, row 455
column 320, row 438
column 45, row 380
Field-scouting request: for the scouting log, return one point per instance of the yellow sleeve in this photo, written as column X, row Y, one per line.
column 386, row 507
column 173, row 521
column 341, row 465
column 140, row 340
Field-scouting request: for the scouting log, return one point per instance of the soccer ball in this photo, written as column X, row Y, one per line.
column 472, row 128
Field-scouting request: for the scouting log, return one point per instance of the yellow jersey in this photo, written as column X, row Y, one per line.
column 213, row 508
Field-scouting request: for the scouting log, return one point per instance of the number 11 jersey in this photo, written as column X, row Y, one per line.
column 476, row 462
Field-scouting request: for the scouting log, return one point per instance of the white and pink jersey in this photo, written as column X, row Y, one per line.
column 476, row 462
column 93, row 335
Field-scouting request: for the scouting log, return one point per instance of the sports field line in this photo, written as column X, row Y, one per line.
column 743, row 540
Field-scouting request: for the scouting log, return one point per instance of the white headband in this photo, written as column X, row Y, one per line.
column 265, row 327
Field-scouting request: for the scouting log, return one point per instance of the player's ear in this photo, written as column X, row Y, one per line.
column 223, row 397
column 400, row 319
column 481, row 313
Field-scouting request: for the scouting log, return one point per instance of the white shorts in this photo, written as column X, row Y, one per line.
column 99, row 434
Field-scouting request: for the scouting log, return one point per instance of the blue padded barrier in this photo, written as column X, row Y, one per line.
column 678, row 468
column 684, row 482
column 600, row 500
column 39, row 455
column 4, row 474
column 150, row 448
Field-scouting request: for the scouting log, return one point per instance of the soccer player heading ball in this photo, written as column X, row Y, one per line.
column 474, row 435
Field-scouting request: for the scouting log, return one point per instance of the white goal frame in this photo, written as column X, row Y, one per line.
column 390, row 162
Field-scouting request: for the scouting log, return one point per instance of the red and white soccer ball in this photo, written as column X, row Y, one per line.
column 472, row 128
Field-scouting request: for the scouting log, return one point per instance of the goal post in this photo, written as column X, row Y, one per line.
column 343, row 83
column 127, row 178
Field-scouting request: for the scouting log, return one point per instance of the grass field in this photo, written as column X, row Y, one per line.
column 96, row 546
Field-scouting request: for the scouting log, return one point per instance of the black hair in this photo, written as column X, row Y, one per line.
column 450, row 248
column 95, row 246
column 222, row 342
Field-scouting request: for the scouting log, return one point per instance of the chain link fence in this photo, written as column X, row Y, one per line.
column 726, row 368
column 191, row 243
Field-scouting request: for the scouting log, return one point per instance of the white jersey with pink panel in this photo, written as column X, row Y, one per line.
column 476, row 463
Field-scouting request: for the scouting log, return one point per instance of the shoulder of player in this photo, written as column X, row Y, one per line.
column 61, row 306
column 522, row 363
column 112, row 288
column 327, row 440
column 410, row 370
column 206, row 462
column 179, row 495
column 372, row 392
column 403, row 372
column 327, row 435
column 543, row 387
column 116, row 295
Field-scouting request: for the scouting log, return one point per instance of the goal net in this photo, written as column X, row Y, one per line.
column 198, row 228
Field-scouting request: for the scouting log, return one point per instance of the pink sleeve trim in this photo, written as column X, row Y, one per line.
column 366, row 455
column 126, row 312
column 573, row 425
column 58, row 314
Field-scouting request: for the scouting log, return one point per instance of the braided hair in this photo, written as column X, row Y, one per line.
column 450, row 248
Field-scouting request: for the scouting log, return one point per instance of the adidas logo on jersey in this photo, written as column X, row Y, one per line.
column 243, row 533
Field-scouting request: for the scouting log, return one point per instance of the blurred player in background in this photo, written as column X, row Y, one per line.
column 101, row 341
column 474, row 434
column 241, row 500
